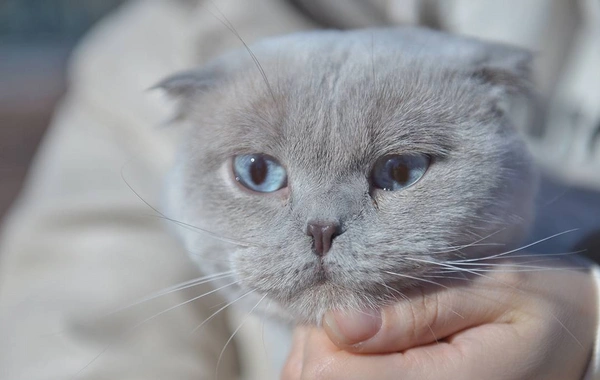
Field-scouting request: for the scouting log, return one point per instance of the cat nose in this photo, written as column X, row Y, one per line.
column 323, row 234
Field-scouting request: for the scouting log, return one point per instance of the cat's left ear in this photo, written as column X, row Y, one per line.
column 506, row 69
column 188, row 83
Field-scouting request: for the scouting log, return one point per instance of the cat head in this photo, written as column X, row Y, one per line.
column 342, row 167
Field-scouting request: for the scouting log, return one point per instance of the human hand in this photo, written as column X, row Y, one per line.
column 508, row 323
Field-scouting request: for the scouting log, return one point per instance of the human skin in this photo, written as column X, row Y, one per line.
column 509, row 323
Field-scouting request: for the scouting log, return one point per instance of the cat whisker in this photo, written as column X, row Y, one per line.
column 203, row 257
column 452, row 267
column 521, row 262
column 476, row 270
column 474, row 243
column 374, row 76
column 214, row 235
column 262, row 329
column 139, row 324
column 520, row 266
column 183, row 224
column 443, row 276
column 402, row 295
column 235, row 332
column 175, row 288
column 416, row 278
column 185, row 303
column 220, row 310
column 458, row 248
column 225, row 21
column 542, row 255
column 516, row 249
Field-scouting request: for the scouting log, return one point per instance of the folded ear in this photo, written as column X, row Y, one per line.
column 507, row 69
column 185, row 88
column 187, row 83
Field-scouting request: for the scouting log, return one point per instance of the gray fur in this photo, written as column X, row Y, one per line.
column 332, row 103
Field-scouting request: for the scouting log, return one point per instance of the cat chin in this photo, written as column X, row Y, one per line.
column 270, row 308
column 309, row 307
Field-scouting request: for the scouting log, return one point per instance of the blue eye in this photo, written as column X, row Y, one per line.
column 259, row 172
column 392, row 173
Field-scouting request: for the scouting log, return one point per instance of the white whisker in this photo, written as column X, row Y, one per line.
column 184, row 303
column 517, row 249
column 221, row 309
column 233, row 334
column 137, row 325
column 225, row 21
column 459, row 247
column 476, row 242
column 182, row 224
column 175, row 288
column 542, row 255
column 503, row 265
column 416, row 278
column 209, row 233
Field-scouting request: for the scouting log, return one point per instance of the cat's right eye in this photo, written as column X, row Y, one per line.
column 259, row 172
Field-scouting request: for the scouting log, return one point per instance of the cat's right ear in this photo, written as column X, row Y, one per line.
column 188, row 83
column 186, row 87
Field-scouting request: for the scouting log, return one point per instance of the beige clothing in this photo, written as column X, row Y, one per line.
column 79, row 243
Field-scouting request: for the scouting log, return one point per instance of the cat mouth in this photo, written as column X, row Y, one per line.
column 321, row 274
column 315, row 275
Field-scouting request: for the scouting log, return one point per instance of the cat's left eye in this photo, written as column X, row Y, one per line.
column 259, row 172
column 397, row 172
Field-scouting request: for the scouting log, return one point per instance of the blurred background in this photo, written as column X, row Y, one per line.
column 36, row 37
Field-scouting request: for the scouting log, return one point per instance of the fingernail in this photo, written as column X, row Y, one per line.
column 352, row 328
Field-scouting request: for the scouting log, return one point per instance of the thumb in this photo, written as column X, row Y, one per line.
column 419, row 320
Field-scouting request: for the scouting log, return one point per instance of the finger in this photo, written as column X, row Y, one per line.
column 422, row 318
column 484, row 353
column 321, row 357
column 292, row 369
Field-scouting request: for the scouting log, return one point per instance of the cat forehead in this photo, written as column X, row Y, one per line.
column 341, row 107
column 342, row 94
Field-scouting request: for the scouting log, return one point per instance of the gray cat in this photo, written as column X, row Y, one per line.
column 338, row 169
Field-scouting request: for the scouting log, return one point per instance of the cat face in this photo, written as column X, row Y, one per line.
column 352, row 168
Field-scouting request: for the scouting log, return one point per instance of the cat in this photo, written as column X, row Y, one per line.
column 336, row 169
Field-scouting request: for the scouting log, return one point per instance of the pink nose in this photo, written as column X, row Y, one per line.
column 323, row 235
